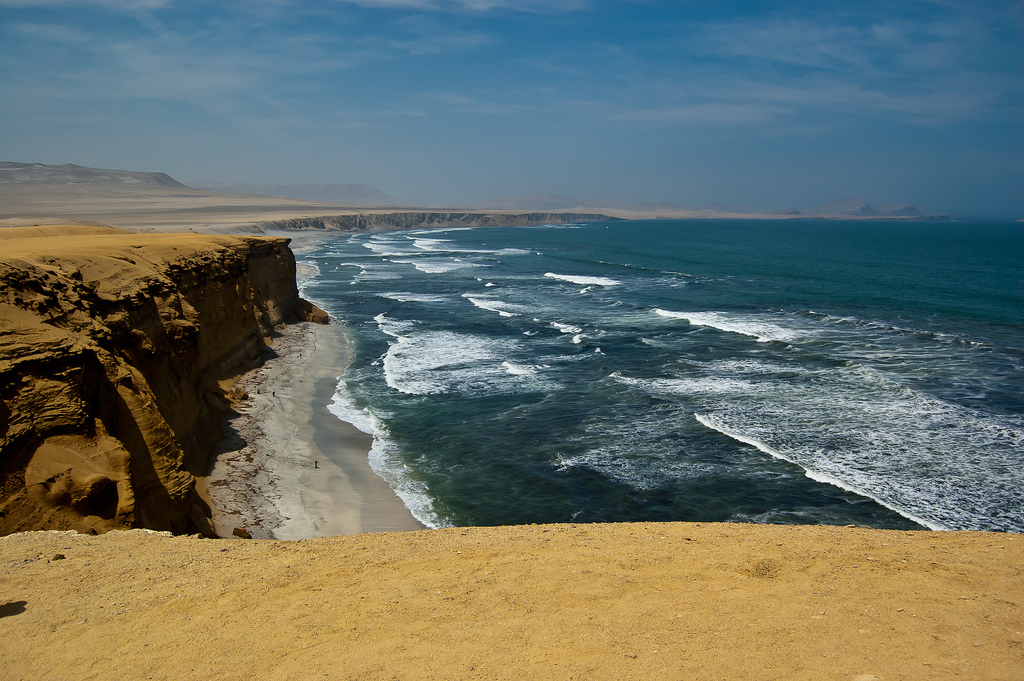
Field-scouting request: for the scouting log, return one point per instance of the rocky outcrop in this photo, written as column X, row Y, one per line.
column 116, row 354
column 416, row 219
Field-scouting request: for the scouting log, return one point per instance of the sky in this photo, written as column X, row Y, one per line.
column 769, row 105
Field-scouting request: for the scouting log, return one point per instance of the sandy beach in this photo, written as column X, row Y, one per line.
column 290, row 469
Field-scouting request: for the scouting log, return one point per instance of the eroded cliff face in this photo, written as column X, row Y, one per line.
column 116, row 354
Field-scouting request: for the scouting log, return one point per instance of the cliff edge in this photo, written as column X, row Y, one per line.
column 116, row 351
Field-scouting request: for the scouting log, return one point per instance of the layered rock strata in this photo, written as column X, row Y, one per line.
column 117, row 352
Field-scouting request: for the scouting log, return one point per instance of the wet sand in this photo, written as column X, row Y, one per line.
column 290, row 469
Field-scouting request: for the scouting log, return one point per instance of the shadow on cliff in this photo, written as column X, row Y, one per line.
column 232, row 440
column 152, row 500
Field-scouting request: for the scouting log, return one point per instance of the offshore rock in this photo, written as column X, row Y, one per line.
column 115, row 353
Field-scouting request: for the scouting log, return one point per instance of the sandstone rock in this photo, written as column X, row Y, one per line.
column 114, row 353
column 308, row 312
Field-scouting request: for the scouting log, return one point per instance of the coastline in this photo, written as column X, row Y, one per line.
column 647, row 600
column 264, row 478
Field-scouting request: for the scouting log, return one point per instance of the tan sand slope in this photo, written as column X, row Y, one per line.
column 629, row 601
column 177, row 208
column 145, row 207
column 113, row 351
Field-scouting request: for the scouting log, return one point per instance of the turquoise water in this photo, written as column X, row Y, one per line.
column 779, row 371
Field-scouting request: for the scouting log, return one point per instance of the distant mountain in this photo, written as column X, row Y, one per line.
column 70, row 174
column 858, row 207
column 354, row 194
column 851, row 206
column 633, row 205
column 905, row 210
column 527, row 202
column 544, row 202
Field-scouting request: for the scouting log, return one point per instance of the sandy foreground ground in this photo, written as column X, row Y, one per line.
column 289, row 468
column 624, row 601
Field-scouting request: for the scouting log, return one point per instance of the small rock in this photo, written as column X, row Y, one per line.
column 241, row 532
column 58, row 556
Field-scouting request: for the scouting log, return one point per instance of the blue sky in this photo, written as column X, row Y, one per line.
column 764, row 104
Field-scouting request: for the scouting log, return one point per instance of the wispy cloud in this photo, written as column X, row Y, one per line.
column 537, row 6
column 476, row 104
column 717, row 113
column 933, row 70
column 116, row 5
column 179, row 63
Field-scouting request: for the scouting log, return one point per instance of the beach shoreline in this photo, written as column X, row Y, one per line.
column 287, row 467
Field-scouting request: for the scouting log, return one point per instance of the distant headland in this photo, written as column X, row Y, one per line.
column 31, row 192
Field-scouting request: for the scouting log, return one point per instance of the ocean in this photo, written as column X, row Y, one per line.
column 812, row 372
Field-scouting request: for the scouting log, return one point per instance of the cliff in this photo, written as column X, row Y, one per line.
column 415, row 219
column 115, row 354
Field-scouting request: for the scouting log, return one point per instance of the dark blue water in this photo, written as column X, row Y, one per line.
column 781, row 371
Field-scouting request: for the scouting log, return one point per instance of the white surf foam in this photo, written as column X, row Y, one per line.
column 490, row 305
column 705, row 385
column 640, row 450
column 564, row 328
column 371, row 272
column 940, row 464
column 425, row 244
column 582, row 280
column 307, row 272
column 392, row 327
column 385, row 460
column 440, row 362
column 438, row 266
column 388, row 249
column 747, row 325
column 713, row 423
column 406, row 297
column 518, row 369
